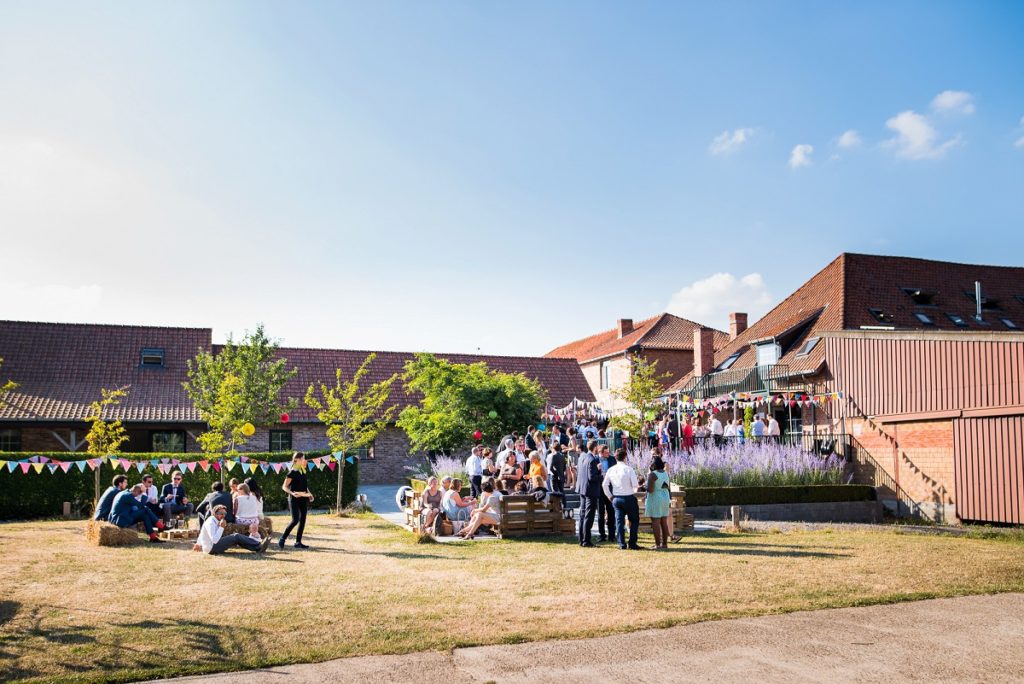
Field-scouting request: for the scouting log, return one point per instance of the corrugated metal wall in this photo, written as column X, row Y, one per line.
column 989, row 468
column 887, row 376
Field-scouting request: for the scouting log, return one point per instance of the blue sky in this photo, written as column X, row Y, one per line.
column 501, row 177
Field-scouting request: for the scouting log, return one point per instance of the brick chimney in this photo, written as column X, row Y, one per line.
column 737, row 324
column 625, row 326
column 703, row 351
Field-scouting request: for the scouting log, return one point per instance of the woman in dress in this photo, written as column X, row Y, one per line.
column 431, row 502
column 453, row 505
column 510, row 473
column 488, row 513
column 247, row 511
column 657, row 503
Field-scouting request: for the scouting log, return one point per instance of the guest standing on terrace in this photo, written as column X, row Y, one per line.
column 757, row 429
column 475, row 471
column 716, row 429
column 588, row 486
column 556, row 469
column 774, row 432
column 657, row 503
column 296, row 486
column 687, row 437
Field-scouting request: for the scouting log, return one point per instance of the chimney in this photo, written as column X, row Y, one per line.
column 737, row 324
column 625, row 326
column 703, row 351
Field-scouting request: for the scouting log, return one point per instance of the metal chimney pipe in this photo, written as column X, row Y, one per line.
column 977, row 299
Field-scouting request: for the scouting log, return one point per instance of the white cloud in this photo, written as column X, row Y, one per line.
column 728, row 142
column 801, row 156
column 49, row 302
column 711, row 300
column 954, row 101
column 1020, row 142
column 849, row 139
column 916, row 138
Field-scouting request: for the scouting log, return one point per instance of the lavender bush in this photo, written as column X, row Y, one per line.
column 449, row 466
column 743, row 465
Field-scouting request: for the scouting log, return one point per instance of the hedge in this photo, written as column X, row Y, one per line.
column 42, row 495
column 737, row 496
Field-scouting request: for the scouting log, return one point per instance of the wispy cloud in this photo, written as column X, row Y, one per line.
column 711, row 300
column 730, row 141
column 849, row 139
column 1020, row 140
column 50, row 302
column 916, row 138
column 953, row 101
column 801, row 156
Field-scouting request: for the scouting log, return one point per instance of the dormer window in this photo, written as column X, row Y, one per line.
column 987, row 303
column 924, row 318
column 151, row 358
column 920, row 297
column 958, row 320
column 881, row 316
column 768, row 354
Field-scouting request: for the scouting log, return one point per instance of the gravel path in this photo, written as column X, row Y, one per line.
column 977, row 638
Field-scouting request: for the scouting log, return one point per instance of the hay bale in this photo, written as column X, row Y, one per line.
column 102, row 533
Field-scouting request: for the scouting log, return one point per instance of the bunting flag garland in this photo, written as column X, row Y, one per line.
column 39, row 464
column 743, row 399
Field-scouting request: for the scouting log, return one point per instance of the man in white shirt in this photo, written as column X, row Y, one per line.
column 150, row 497
column 475, row 471
column 620, row 485
column 773, row 429
column 717, row 431
column 730, row 432
column 212, row 539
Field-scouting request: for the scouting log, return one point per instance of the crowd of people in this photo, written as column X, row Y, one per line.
column 241, row 504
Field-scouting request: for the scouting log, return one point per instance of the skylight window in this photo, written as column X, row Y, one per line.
column 152, row 358
column 881, row 316
column 920, row 297
column 987, row 303
column 727, row 364
column 1009, row 324
column 958, row 320
column 809, row 346
column 924, row 318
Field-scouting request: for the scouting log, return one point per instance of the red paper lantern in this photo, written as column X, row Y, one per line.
column 284, row 418
column 477, row 435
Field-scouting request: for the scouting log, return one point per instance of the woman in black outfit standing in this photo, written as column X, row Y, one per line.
column 296, row 486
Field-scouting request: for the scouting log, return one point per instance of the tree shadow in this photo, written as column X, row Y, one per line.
column 400, row 555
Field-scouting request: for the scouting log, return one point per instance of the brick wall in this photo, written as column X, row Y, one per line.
column 675, row 363
column 618, row 376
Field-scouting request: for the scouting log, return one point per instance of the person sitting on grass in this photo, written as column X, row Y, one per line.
column 430, row 501
column 453, row 505
column 106, row 502
column 488, row 513
column 539, row 490
column 127, row 511
column 216, row 497
column 247, row 511
column 212, row 539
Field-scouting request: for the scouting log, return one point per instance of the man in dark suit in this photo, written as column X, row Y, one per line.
column 588, row 486
column 173, row 499
column 129, row 511
column 605, row 510
column 106, row 502
column 216, row 497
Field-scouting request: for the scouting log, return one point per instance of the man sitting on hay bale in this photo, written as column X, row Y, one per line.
column 106, row 503
column 212, row 539
column 127, row 511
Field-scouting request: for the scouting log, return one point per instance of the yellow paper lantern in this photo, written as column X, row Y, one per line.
column 248, row 429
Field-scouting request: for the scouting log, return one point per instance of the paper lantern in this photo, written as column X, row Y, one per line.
column 285, row 418
column 248, row 430
column 492, row 414
column 477, row 435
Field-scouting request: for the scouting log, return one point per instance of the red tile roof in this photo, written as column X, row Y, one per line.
column 840, row 295
column 663, row 331
column 60, row 369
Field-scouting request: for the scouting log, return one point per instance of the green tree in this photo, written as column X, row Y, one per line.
column 242, row 384
column 748, row 420
column 353, row 414
column 643, row 394
column 104, row 437
column 459, row 399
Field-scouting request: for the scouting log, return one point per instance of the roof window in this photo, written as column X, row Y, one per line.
column 727, row 364
column 987, row 303
column 809, row 346
column 957, row 319
column 881, row 316
column 920, row 297
column 152, row 358
column 924, row 318
column 1009, row 324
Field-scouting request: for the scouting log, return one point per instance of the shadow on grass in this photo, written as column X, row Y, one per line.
column 131, row 646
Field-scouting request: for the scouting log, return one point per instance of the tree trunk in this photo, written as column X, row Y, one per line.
column 96, row 473
column 341, row 480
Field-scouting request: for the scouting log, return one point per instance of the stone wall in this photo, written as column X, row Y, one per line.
column 838, row 511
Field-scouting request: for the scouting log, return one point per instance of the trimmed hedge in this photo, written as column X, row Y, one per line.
column 42, row 495
column 737, row 496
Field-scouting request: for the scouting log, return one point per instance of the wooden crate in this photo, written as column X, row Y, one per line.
column 179, row 534
column 522, row 516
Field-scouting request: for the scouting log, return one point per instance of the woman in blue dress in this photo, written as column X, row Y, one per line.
column 657, row 503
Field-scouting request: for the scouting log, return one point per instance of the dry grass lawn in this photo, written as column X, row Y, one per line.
column 76, row 612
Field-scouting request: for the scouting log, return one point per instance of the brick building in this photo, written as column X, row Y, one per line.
column 931, row 377
column 60, row 369
column 607, row 357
